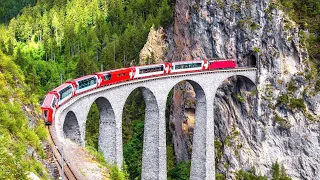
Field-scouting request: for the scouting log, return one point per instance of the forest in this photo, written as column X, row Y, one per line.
column 43, row 39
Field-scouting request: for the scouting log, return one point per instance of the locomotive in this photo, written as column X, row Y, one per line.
column 60, row 95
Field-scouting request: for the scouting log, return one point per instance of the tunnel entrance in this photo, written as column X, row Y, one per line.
column 252, row 61
column 71, row 128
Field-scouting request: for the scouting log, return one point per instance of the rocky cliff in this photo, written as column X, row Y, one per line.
column 277, row 120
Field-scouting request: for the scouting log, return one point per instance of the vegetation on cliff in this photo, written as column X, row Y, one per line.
column 20, row 137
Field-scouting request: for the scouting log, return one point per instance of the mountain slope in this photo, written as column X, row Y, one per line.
column 20, row 133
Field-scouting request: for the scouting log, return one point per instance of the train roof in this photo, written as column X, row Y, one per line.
column 185, row 62
column 222, row 59
column 62, row 86
column 149, row 65
column 47, row 101
column 115, row 70
column 81, row 78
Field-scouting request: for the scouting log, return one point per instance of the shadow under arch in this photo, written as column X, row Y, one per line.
column 199, row 131
column 230, row 107
column 71, row 128
column 107, row 129
column 150, row 152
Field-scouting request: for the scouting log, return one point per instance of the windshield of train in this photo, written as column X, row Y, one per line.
column 65, row 92
column 87, row 82
column 187, row 66
column 151, row 69
column 107, row 76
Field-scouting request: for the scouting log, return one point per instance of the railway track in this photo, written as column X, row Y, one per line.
column 67, row 174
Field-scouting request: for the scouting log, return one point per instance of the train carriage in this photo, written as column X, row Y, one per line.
column 188, row 66
column 151, row 70
column 48, row 108
column 115, row 76
column 222, row 64
column 85, row 83
column 54, row 99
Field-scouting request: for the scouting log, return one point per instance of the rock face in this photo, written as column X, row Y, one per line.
column 154, row 50
column 279, row 120
column 182, row 120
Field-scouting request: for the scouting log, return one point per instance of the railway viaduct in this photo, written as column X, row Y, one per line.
column 70, row 119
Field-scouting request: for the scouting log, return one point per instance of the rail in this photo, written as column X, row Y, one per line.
column 66, row 172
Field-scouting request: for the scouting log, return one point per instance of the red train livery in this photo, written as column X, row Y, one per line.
column 60, row 95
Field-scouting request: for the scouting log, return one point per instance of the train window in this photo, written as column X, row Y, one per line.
column 150, row 69
column 45, row 114
column 86, row 82
column 53, row 102
column 65, row 92
column 118, row 75
column 123, row 74
column 186, row 66
column 107, row 76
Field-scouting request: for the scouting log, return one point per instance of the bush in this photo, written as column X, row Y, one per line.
column 180, row 172
column 279, row 173
column 296, row 103
column 283, row 99
column 281, row 121
column 251, row 174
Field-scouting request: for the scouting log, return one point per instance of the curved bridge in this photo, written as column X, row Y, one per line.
column 70, row 119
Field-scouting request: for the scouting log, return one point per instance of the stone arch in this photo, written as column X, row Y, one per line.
column 150, row 152
column 245, row 80
column 107, row 129
column 228, row 105
column 198, row 155
column 71, row 128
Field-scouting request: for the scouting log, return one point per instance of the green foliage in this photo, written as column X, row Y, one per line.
column 249, row 175
column 92, row 127
column 256, row 49
column 132, row 152
column 116, row 174
column 279, row 173
column 307, row 14
column 76, row 37
column 220, row 176
column 292, row 86
column 132, row 130
column 239, row 97
column 171, row 160
column 283, row 100
column 10, row 9
column 281, row 121
column 296, row 103
column 180, row 172
column 15, row 134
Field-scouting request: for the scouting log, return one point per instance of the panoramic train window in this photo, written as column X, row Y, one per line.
column 86, row 82
column 151, row 69
column 65, row 92
column 187, row 66
column 107, row 76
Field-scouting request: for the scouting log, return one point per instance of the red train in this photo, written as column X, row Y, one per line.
column 60, row 95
